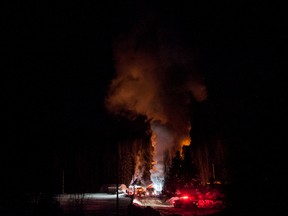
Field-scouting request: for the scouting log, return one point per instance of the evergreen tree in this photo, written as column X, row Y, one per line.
column 175, row 174
column 126, row 166
column 189, row 167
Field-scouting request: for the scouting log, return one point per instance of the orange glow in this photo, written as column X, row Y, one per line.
column 153, row 142
column 185, row 142
column 153, row 139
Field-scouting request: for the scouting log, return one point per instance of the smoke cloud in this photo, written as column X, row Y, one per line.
column 155, row 77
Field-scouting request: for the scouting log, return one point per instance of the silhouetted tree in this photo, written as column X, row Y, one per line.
column 189, row 167
column 126, row 166
column 175, row 173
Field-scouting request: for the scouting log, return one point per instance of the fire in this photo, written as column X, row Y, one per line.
column 154, row 162
column 153, row 140
column 152, row 80
column 185, row 142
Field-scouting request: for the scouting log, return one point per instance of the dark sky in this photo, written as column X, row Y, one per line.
column 57, row 63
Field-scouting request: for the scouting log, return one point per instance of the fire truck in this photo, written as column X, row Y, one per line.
column 136, row 190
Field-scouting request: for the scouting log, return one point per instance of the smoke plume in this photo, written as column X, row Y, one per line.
column 155, row 77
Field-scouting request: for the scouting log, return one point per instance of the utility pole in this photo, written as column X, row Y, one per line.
column 63, row 181
column 117, row 179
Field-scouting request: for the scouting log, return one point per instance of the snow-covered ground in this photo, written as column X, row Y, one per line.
column 96, row 203
column 167, row 207
column 106, row 204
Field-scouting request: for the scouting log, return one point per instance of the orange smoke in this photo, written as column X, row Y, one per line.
column 156, row 79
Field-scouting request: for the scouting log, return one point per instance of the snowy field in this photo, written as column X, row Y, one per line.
column 106, row 204
column 167, row 208
column 95, row 203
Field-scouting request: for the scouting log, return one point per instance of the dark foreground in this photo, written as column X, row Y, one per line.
column 99, row 204
column 95, row 204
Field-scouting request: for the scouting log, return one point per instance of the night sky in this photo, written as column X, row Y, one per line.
column 57, row 63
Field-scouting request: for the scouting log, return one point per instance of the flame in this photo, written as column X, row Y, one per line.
column 186, row 142
column 153, row 142
column 153, row 139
